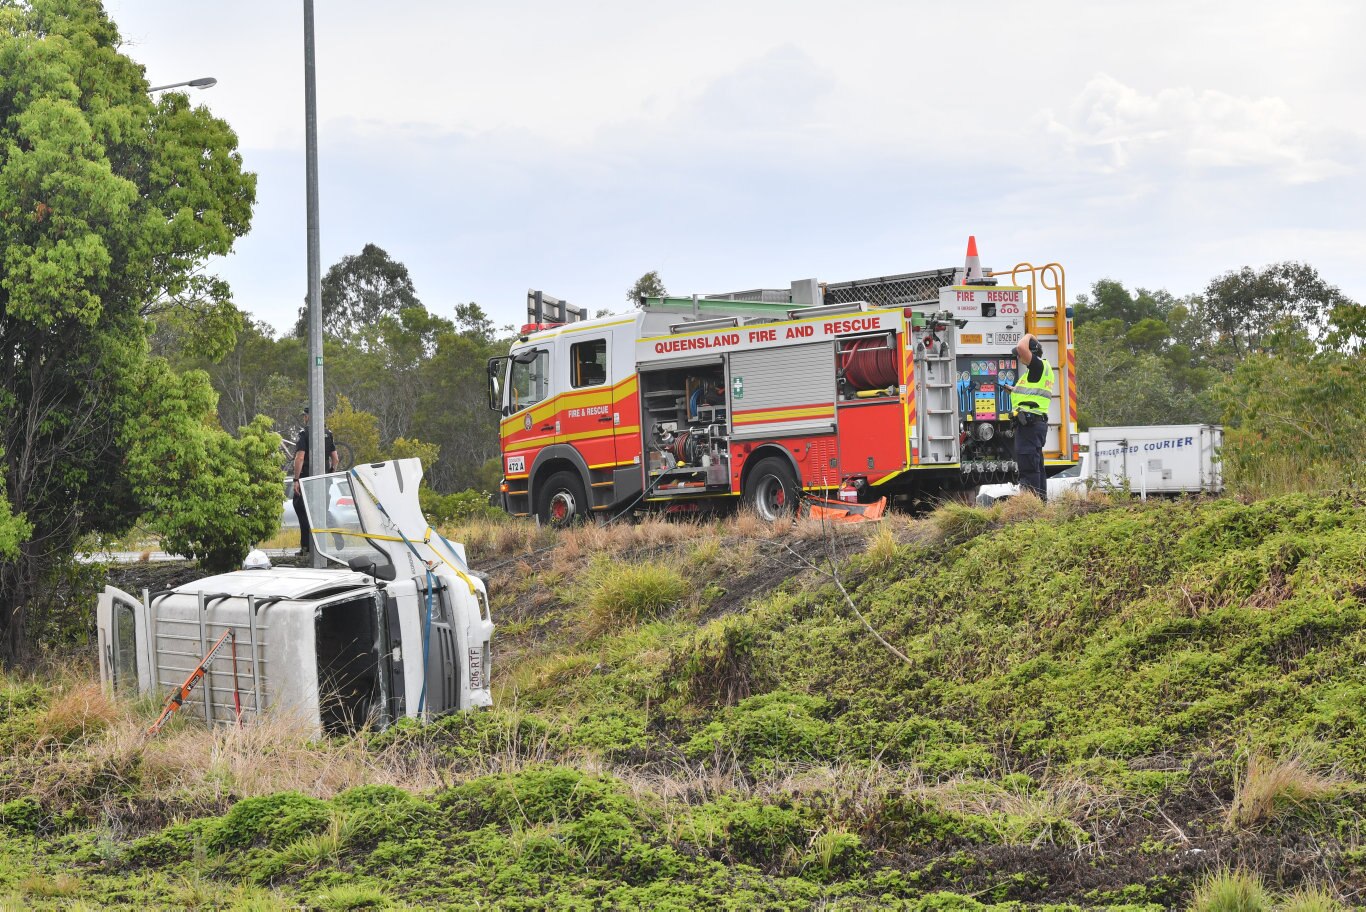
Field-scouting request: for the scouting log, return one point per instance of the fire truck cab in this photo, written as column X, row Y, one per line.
column 890, row 386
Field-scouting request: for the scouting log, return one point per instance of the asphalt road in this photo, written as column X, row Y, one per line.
column 135, row 557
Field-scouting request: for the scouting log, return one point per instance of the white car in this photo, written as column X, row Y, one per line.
column 1068, row 479
column 341, row 508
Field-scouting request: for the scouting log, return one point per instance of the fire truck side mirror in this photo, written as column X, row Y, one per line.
column 496, row 367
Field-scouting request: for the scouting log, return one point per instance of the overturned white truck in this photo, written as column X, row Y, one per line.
column 404, row 630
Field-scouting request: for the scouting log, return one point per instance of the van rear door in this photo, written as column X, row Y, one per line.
column 124, row 637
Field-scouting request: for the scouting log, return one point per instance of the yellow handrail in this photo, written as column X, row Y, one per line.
column 1050, row 276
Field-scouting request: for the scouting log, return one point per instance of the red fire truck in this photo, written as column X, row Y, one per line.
column 890, row 386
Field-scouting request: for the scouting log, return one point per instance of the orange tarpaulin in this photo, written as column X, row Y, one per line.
column 839, row 511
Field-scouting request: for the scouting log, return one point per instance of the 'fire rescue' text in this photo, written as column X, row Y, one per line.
column 761, row 335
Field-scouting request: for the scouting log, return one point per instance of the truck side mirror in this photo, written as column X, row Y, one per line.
column 364, row 563
column 496, row 367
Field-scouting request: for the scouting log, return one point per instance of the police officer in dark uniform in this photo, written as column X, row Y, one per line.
column 301, row 470
column 1029, row 399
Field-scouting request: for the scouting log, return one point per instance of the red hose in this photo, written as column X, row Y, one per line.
column 869, row 364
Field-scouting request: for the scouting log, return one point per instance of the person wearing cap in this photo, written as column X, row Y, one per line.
column 302, row 471
column 1029, row 399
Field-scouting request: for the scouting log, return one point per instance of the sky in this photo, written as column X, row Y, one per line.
column 571, row 147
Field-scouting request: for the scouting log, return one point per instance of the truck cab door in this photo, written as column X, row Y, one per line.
column 529, row 422
column 588, row 423
column 124, row 637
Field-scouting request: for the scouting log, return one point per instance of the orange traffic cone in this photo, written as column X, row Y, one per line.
column 972, row 266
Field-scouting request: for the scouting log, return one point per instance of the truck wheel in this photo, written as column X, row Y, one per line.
column 771, row 489
column 561, row 501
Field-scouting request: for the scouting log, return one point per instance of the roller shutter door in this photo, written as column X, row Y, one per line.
column 783, row 391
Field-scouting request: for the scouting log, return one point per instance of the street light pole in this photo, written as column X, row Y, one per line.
column 203, row 82
column 317, row 436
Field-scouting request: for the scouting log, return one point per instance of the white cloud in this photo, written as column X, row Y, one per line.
column 1113, row 128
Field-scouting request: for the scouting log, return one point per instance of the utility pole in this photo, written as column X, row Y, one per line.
column 317, row 435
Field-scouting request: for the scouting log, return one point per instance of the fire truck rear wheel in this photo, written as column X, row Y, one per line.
column 771, row 489
column 561, row 501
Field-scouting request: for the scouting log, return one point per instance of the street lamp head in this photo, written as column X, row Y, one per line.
column 203, row 82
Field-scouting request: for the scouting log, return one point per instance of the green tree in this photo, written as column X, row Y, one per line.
column 453, row 411
column 1110, row 300
column 358, row 291
column 1270, row 309
column 410, row 448
column 382, row 368
column 261, row 375
column 14, row 529
column 199, row 321
column 649, row 285
column 416, row 374
column 471, row 321
column 110, row 205
column 359, row 430
column 210, row 496
column 1294, row 422
column 1136, row 359
column 1119, row 386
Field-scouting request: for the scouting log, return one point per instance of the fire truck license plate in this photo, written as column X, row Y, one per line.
column 1007, row 338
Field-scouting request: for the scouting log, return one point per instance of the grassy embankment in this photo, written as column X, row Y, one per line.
column 1083, row 706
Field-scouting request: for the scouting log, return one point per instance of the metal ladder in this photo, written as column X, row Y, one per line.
column 248, row 642
column 939, row 380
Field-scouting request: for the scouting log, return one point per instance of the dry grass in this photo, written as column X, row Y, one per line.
column 550, row 671
column 1025, row 506
column 748, row 524
column 283, row 539
column 1267, row 786
column 232, row 758
column 190, row 764
column 1312, row 899
column 882, row 548
column 954, row 523
column 1020, row 508
column 498, row 540
column 44, row 886
column 81, row 711
column 1031, row 816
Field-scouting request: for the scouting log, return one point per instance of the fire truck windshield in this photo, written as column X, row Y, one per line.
column 530, row 380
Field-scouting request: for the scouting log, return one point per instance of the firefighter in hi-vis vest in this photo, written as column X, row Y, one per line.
column 1029, row 399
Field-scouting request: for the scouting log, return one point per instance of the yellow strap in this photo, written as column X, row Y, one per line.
column 426, row 540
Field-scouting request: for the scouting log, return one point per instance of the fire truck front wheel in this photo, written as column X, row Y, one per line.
column 561, row 501
column 771, row 489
